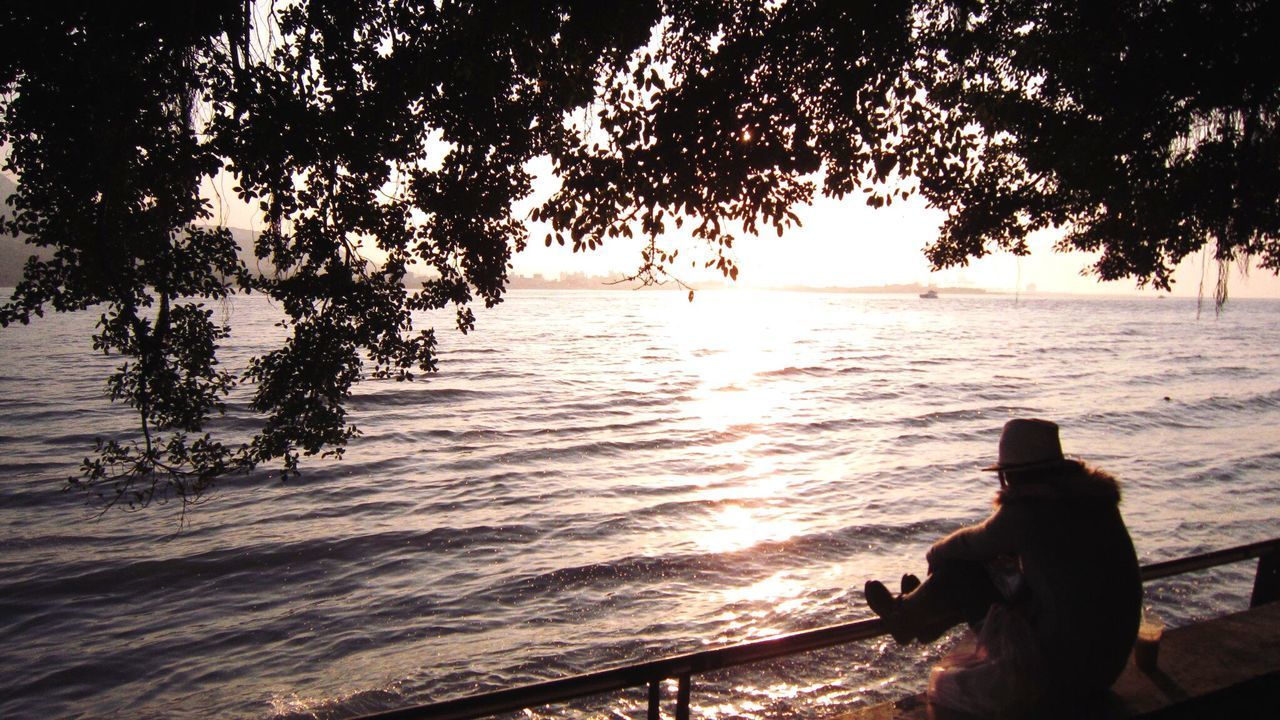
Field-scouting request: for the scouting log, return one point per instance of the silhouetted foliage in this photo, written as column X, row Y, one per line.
column 1147, row 129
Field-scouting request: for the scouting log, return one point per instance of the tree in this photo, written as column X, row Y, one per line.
column 1146, row 129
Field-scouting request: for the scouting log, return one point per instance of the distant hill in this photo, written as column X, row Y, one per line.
column 15, row 251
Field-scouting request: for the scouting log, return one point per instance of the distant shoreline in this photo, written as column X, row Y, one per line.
column 605, row 284
column 580, row 281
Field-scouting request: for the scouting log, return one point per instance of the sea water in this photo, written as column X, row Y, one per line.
column 600, row 478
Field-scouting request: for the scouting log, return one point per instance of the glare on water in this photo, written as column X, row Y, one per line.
column 727, row 341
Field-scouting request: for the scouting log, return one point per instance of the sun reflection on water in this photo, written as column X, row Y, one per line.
column 753, row 606
column 738, row 347
column 746, row 365
column 773, row 590
column 736, row 527
column 731, row 342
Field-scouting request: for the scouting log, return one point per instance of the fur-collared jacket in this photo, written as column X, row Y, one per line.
column 1079, row 564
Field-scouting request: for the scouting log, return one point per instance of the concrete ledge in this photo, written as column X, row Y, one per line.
column 1228, row 667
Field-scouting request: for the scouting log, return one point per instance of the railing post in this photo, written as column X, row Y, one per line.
column 655, row 699
column 682, row 697
column 1266, row 584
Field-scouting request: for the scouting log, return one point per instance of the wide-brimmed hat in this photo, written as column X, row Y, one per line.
column 1029, row 444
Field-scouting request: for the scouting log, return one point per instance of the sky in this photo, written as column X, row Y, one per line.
column 842, row 243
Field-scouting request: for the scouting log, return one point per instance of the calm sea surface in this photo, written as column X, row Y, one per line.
column 600, row 478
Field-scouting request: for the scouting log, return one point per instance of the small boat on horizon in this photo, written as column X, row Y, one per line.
column 930, row 294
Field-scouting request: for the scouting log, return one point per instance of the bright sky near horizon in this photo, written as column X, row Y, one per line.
column 844, row 243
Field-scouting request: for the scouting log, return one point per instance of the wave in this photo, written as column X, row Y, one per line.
column 711, row 568
column 89, row 577
column 815, row 371
column 358, row 703
column 423, row 395
column 1166, row 412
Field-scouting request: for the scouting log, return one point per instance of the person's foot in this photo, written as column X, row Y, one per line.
column 883, row 603
column 909, row 583
column 879, row 598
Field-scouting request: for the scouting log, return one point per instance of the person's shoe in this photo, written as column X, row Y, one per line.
column 883, row 603
column 909, row 583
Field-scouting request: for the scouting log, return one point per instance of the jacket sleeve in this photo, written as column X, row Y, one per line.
column 996, row 536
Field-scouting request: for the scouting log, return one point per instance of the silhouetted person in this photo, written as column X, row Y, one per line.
column 1049, row 581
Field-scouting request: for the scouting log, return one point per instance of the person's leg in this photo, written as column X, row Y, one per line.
column 955, row 592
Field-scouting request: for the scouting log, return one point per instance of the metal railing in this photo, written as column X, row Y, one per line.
column 1266, row 588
